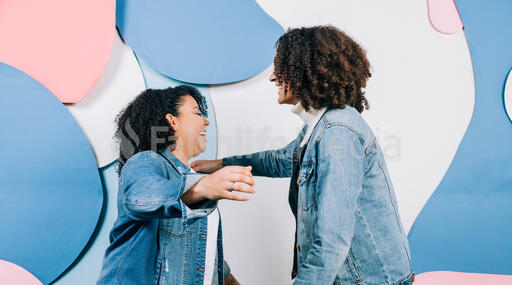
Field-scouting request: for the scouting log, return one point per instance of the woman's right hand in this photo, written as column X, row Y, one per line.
column 218, row 185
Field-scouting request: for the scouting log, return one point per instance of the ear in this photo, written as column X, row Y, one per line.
column 171, row 120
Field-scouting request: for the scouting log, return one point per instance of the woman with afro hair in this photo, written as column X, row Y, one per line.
column 348, row 226
column 168, row 229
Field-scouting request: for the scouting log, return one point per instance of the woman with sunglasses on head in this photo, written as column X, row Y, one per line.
column 168, row 229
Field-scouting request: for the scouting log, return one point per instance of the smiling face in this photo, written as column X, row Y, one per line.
column 284, row 97
column 189, row 128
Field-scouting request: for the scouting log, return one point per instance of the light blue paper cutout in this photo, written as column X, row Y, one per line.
column 466, row 225
column 50, row 197
column 202, row 42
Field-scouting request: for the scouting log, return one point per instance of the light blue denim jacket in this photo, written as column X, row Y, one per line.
column 157, row 239
column 348, row 227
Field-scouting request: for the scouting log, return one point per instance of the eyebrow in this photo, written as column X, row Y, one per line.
column 196, row 108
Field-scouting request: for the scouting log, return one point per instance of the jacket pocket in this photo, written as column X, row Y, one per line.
column 305, row 183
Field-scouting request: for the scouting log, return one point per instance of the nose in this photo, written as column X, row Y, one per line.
column 206, row 122
column 272, row 77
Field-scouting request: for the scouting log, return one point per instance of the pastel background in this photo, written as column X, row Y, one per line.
column 440, row 96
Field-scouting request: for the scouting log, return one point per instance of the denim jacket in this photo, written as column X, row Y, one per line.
column 157, row 239
column 348, row 227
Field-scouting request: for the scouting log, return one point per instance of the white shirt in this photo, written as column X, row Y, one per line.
column 310, row 118
column 211, row 245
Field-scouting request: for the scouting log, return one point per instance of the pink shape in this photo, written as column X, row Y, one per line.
column 444, row 16
column 12, row 274
column 460, row 278
column 63, row 44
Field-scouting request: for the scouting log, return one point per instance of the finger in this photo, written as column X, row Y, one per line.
column 235, row 197
column 238, row 177
column 240, row 169
column 242, row 187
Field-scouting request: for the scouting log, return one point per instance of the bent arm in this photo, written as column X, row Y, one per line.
column 270, row 163
column 147, row 192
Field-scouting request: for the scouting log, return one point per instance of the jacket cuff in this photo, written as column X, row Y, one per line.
column 227, row 161
column 200, row 209
column 204, row 209
column 191, row 180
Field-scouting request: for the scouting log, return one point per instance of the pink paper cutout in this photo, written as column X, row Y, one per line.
column 444, row 16
column 461, row 278
column 12, row 274
column 65, row 45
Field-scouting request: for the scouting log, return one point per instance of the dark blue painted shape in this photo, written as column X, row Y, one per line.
column 50, row 190
column 202, row 42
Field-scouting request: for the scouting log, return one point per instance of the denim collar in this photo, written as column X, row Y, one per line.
column 178, row 164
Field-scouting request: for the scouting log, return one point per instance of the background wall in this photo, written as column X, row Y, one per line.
column 421, row 98
column 422, row 103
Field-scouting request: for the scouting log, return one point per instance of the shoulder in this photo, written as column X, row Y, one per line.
column 339, row 125
column 143, row 162
column 144, row 157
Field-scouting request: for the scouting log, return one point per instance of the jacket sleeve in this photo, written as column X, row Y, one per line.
column 147, row 192
column 341, row 161
column 270, row 163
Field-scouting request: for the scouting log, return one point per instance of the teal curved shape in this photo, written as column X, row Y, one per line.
column 466, row 225
column 201, row 42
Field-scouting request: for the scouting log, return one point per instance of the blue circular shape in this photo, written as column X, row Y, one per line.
column 202, row 42
column 51, row 194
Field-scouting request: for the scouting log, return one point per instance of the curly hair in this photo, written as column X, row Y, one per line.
column 322, row 67
column 140, row 121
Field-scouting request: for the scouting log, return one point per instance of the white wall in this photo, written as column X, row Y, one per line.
column 421, row 96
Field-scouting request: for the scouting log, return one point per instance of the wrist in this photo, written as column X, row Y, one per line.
column 194, row 194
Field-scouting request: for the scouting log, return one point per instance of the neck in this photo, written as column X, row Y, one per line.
column 310, row 117
column 180, row 153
